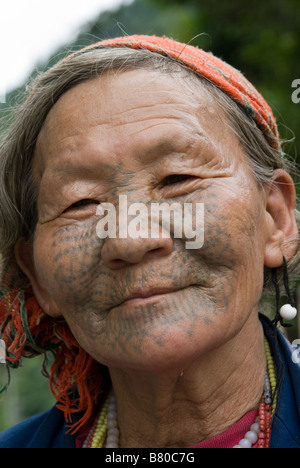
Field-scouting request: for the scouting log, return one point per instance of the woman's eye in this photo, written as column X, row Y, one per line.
column 175, row 179
column 84, row 202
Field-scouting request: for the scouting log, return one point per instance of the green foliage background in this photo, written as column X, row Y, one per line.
column 260, row 38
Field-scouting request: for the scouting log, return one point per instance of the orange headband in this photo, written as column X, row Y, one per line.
column 227, row 78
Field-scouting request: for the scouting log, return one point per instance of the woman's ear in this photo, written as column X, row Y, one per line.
column 281, row 204
column 25, row 259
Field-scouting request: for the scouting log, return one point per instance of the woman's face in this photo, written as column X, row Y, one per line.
column 146, row 303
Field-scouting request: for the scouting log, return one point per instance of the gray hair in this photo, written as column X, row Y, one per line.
column 18, row 211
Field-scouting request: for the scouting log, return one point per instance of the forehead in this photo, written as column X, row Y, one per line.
column 121, row 114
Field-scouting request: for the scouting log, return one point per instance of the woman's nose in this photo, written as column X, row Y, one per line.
column 117, row 253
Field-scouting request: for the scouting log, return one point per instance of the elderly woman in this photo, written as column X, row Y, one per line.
column 156, row 343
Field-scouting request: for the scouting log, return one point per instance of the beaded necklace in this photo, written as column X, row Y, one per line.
column 105, row 431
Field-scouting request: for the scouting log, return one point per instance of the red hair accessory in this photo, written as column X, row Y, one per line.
column 228, row 79
column 75, row 378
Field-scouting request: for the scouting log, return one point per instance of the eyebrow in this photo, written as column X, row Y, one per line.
column 164, row 147
column 170, row 144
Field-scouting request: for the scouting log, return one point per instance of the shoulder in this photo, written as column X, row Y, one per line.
column 287, row 416
column 45, row 430
column 286, row 422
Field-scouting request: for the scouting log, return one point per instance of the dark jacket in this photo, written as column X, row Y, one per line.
column 48, row 429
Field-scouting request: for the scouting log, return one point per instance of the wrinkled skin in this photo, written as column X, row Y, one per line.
column 127, row 134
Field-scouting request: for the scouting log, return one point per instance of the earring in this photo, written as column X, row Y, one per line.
column 287, row 311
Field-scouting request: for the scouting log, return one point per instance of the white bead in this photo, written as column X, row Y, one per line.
column 111, row 413
column 252, row 437
column 112, row 443
column 114, row 432
column 244, row 443
column 255, row 428
column 287, row 312
column 112, row 423
column 237, row 446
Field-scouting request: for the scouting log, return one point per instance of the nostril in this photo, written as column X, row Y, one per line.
column 117, row 253
column 117, row 264
column 156, row 252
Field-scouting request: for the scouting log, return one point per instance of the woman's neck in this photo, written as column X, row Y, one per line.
column 184, row 406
